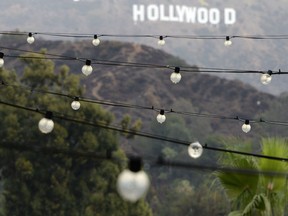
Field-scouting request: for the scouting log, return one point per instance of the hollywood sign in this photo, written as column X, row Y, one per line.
column 183, row 14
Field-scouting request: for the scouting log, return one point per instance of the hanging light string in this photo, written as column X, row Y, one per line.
column 139, row 133
column 140, row 107
column 54, row 150
column 155, row 162
column 193, row 37
column 180, row 164
column 185, row 69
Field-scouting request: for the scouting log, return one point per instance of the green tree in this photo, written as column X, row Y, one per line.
column 257, row 194
column 54, row 184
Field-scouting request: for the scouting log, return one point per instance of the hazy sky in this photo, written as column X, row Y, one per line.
column 172, row 17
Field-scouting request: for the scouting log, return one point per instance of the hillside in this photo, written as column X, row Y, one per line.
column 196, row 92
column 107, row 17
column 201, row 93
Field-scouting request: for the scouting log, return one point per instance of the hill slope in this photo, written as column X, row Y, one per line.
column 152, row 87
column 107, row 17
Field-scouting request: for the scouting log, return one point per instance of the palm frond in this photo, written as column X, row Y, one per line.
column 260, row 202
column 235, row 213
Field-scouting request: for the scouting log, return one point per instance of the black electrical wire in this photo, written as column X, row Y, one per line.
column 184, row 69
column 141, row 134
column 180, row 164
column 54, row 150
column 192, row 37
column 48, row 150
column 135, row 106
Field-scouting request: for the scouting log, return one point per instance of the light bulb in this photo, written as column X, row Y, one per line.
column 87, row 68
column 161, row 117
column 246, row 127
column 161, row 41
column 46, row 124
column 30, row 38
column 266, row 78
column 195, row 150
column 96, row 41
column 176, row 76
column 75, row 105
column 1, row 59
column 227, row 42
column 133, row 184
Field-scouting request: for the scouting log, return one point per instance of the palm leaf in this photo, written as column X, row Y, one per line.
column 260, row 202
column 235, row 213
column 240, row 187
column 279, row 148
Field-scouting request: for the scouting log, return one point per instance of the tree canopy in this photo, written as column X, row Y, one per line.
column 37, row 183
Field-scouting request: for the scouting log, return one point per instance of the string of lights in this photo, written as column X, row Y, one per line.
column 160, row 161
column 195, row 149
column 175, row 77
column 89, row 35
column 180, row 164
column 161, row 117
column 53, row 56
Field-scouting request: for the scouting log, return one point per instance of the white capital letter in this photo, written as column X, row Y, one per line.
column 153, row 13
column 214, row 16
column 230, row 16
column 190, row 14
column 202, row 15
column 138, row 13
column 180, row 11
column 162, row 13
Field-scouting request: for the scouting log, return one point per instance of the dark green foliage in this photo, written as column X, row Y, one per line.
column 48, row 184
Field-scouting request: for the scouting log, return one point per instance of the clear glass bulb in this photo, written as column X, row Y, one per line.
column 132, row 186
column 30, row 39
column 161, row 42
column 161, row 118
column 46, row 125
column 1, row 62
column 75, row 105
column 246, row 127
column 228, row 43
column 96, row 41
column 175, row 77
column 195, row 150
column 265, row 78
column 87, row 70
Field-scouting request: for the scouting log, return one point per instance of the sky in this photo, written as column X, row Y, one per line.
column 199, row 17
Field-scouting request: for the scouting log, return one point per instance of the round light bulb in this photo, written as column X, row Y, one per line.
column 87, row 68
column 161, row 41
column 1, row 62
column 176, row 76
column 161, row 117
column 132, row 185
column 30, row 38
column 228, row 42
column 1, row 59
column 46, row 125
column 246, row 127
column 195, row 150
column 266, row 78
column 75, row 105
column 96, row 40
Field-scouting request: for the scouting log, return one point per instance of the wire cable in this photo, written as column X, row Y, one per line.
column 141, row 134
column 185, row 69
column 139, row 107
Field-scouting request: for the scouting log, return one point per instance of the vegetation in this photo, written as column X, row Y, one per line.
column 258, row 193
column 49, row 184
column 36, row 183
